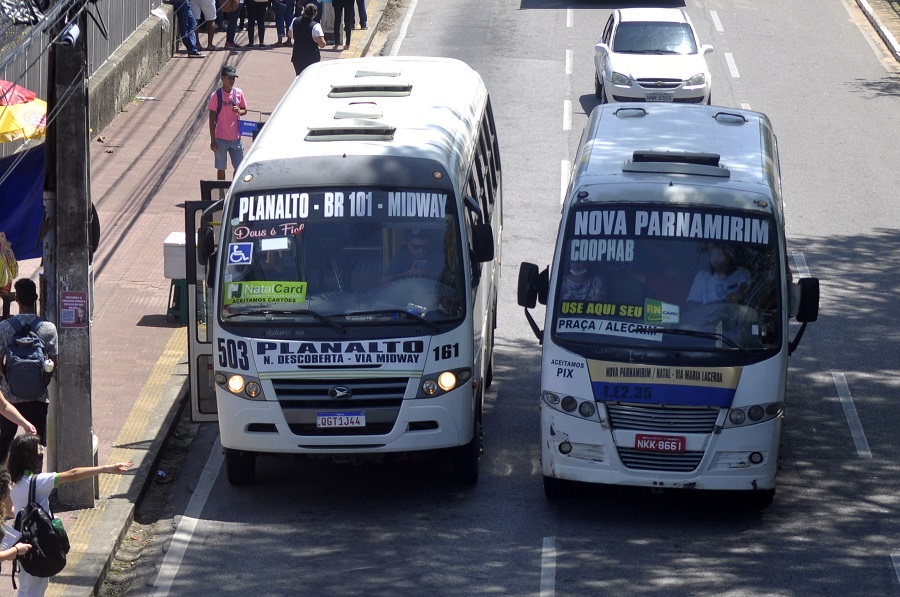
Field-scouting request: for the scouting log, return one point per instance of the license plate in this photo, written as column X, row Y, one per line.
column 337, row 420
column 659, row 443
column 659, row 97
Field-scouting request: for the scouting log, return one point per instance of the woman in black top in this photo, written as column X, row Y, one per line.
column 308, row 38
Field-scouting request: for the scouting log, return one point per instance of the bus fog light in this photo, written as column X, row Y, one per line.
column 756, row 458
column 551, row 398
column 464, row 375
column 737, row 416
column 756, row 412
column 586, row 409
column 253, row 390
column 565, row 448
column 235, row 384
column 447, row 381
column 220, row 378
column 430, row 386
column 569, row 404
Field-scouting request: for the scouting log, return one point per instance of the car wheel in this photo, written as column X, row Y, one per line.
column 709, row 100
column 598, row 88
column 240, row 466
column 603, row 98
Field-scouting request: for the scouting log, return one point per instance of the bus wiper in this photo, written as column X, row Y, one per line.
column 317, row 316
column 701, row 334
column 406, row 314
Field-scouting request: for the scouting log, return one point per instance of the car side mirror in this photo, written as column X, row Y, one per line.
column 808, row 306
column 483, row 242
column 206, row 245
column 706, row 49
column 211, row 271
column 601, row 47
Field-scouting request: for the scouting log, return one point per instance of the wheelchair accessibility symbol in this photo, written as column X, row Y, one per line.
column 240, row 253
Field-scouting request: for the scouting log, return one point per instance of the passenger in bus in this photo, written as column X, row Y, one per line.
column 579, row 285
column 416, row 262
column 723, row 281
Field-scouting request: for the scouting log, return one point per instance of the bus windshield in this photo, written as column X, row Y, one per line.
column 331, row 258
column 660, row 279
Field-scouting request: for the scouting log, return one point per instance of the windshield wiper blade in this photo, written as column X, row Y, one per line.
column 701, row 334
column 317, row 316
column 407, row 314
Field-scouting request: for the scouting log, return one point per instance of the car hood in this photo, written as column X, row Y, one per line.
column 659, row 66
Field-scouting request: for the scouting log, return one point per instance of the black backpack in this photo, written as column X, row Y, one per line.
column 48, row 539
column 25, row 356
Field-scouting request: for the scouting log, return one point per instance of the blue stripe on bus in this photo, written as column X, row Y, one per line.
column 676, row 395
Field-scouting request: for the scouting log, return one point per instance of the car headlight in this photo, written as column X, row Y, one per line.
column 620, row 79
column 697, row 80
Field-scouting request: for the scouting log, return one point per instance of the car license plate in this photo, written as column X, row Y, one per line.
column 659, row 97
column 337, row 420
column 659, row 443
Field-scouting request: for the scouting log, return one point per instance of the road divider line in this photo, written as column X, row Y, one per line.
column 729, row 58
column 564, row 168
column 567, row 115
column 745, row 106
column 548, row 567
column 895, row 559
column 856, row 428
column 715, row 19
column 800, row 264
column 188, row 524
column 570, row 18
column 570, row 59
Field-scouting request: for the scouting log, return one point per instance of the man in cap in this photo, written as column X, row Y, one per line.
column 226, row 106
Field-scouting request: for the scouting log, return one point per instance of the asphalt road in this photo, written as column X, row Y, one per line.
column 821, row 75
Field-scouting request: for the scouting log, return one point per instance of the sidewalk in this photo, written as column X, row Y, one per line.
column 144, row 166
column 884, row 15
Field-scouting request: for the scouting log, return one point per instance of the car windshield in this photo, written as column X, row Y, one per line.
column 690, row 279
column 337, row 259
column 654, row 38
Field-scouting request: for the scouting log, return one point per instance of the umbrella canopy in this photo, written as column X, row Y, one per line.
column 10, row 93
column 18, row 121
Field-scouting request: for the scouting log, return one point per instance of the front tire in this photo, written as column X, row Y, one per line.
column 240, row 466
column 598, row 88
column 466, row 458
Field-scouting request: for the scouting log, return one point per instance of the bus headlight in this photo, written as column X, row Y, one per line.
column 756, row 413
column 571, row 405
column 241, row 386
column 436, row 384
column 235, row 384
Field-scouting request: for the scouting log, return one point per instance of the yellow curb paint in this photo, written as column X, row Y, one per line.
column 132, row 433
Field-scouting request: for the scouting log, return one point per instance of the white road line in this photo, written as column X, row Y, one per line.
column 570, row 18
column 895, row 558
column 856, row 429
column 570, row 59
column 732, row 66
column 548, row 567
column 716, row 21
column 188, row 524
column 800, row 264
column 745, row 106
column 567, row 115
column 395, row 49
column 564, row 168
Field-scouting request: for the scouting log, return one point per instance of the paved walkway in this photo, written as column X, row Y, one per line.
column 144, row 165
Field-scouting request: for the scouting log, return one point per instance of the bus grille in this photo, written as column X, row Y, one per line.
column 678, row 462
column 379, row 398
column 662, row 419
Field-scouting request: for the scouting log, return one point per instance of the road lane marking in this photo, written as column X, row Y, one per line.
column 188, row 524
column 567, row 115
column 800, row 264
column 564, row 168
column 395, row 49
column 856, row 428
column 745, row 106
column 570, row 18
column 570, row 58
column 548, row 567
column 729, row 58
column 895, row 558
column 716, row 21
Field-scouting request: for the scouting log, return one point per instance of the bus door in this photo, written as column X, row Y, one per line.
column 198, row 214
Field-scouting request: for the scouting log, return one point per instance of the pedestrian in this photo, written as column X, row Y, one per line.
column 363, row 17
column 206, row 9
column 343, row 10
column 256, row 14
column 33, row 409
column 284, row 16
column 186, row 27
column 226, row 106
column 26, row 460
column 308, row 38
column 10, row 412
column 18, row 549
column 232, row 27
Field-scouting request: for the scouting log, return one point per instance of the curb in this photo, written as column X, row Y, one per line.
column 886, row 36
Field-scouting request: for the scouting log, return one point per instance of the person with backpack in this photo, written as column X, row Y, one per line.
column 26, row 459
column 308, row 38
column 13, row 551
column 27, row 343
column 225, row 107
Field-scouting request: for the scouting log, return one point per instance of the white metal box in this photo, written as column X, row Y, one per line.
column 174, row 257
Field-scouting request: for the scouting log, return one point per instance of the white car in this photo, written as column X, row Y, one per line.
column 651, row 55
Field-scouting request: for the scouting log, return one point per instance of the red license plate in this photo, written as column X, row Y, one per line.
column 659, row 443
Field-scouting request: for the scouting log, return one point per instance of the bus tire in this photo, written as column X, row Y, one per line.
column 555, row 489
column 240, row 466
column 466, row 458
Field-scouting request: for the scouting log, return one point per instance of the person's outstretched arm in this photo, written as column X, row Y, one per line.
column 12, row 413
column 85, row 472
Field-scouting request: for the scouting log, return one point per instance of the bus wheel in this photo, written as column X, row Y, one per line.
column 556, row 489
column 466, row 458
column 240, row 466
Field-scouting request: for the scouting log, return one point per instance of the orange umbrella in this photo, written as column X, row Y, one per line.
column 27, row 120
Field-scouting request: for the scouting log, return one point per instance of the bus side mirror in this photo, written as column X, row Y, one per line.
column 527, row 291
column 804, row 300
column 483, row 242
column 211, row 271
column 206, row 245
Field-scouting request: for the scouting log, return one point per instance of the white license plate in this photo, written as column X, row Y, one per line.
column 659, row 443
column 340, row 419
column 659, row 97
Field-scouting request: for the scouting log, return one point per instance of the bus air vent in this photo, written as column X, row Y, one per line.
column 359, row 110
column 378, row 72
column 680, row 157
column 354, row 129
column 370, row 90
column 676, row 162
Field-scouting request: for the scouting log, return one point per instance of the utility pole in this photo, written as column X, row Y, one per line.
column 67, row 199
